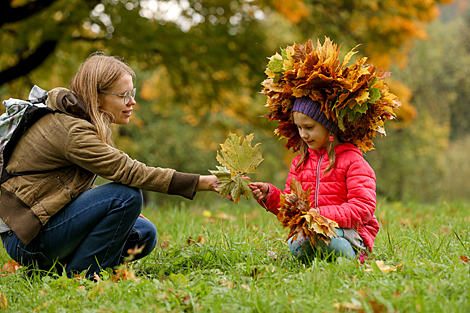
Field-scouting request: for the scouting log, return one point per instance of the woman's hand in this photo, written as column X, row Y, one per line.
column 206, row 183
column 259, row 190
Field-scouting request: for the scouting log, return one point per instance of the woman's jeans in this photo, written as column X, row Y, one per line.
column 303, row 249
column 91, row 233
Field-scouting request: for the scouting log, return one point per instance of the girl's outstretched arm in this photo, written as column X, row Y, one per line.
column 259, row 190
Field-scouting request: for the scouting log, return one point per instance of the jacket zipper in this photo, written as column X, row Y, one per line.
column 66, row 187
column 317, row 185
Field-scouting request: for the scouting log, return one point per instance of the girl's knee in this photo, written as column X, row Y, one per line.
column 300, row 247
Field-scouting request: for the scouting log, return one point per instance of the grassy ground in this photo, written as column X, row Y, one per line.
column 234, row 258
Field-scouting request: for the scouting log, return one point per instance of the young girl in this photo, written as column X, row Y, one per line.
column 342, row 183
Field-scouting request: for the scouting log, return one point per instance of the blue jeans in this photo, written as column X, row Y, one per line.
column 91, row 233
column 302, row 248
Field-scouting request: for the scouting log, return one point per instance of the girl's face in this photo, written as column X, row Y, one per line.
column 313, row 133
column 115, row 104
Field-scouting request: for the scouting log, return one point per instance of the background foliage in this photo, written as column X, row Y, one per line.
column 199, row 66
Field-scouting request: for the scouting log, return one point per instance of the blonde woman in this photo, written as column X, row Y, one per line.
column 55, row 217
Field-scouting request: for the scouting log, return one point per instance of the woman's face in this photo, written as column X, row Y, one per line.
column 115, row 104
column 313, row 133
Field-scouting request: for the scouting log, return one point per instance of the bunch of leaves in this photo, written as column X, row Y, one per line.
column 238, row 158
column 355, row 97
column 295, row 214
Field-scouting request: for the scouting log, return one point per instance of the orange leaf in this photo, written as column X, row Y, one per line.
column 3, row 302
column 464, row 258
column 11, row 267
column 123, row 274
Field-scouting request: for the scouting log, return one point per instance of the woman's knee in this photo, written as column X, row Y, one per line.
column 130, row 195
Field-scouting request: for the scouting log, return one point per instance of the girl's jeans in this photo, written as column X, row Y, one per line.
column 91, row 233
column 302, row 249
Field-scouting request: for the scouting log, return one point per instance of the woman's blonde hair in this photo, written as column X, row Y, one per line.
column 97, row 73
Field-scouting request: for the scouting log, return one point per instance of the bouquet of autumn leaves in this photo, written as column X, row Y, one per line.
column 237, row 160
column 294, row 213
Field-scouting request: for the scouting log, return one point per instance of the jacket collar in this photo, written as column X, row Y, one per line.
column 347, row 146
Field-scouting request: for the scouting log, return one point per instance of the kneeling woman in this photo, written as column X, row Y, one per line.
column 55, row 216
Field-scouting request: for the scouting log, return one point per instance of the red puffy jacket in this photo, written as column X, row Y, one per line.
column 345, row 195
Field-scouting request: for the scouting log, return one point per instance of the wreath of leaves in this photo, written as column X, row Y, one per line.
column 355, row 97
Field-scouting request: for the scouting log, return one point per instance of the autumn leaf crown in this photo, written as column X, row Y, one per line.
column 354, row 97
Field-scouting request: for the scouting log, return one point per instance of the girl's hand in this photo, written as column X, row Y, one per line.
column 259, row 190
column 315, row 210
column 206, row 183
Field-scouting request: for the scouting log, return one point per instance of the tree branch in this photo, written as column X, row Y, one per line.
column 25, row 66
column 11, row 14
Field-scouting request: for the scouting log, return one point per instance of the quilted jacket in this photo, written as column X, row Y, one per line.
column 345, row 195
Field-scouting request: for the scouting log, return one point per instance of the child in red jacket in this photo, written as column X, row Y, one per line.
column 329, row 112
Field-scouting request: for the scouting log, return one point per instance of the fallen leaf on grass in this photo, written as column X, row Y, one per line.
column 200, row 239
column 464, row 258
column 347, row 306
column 246, row 287
column 164, row 244
column 3, row 302
column 123, row 274
column 10, row 267
column 206, row 213
column 384, row 267
column 228, row 284
column 225, row 216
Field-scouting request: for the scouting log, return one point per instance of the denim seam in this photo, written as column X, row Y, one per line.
column 117, row 229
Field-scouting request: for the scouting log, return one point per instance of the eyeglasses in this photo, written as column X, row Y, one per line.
column 127, row 96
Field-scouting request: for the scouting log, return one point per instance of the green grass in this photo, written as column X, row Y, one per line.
column 240, row 263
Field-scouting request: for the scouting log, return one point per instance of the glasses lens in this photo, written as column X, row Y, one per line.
column 128, row 95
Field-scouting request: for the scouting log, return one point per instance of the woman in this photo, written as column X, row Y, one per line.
column 57, row 215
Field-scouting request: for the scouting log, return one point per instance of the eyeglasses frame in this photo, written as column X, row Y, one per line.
column 133, row 91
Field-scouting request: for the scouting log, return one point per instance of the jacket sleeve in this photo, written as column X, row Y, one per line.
column 361, row 198
column 84, row 148
column 274, row 195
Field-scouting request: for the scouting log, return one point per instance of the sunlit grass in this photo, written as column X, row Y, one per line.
column 234, row 258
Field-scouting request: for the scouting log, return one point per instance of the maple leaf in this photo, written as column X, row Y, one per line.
column 237, row 160
column 294, row 214
column 240, row 159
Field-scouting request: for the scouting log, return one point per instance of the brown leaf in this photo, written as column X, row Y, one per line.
column 294, row 213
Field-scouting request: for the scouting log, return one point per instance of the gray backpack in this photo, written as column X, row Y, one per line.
column 19, row 116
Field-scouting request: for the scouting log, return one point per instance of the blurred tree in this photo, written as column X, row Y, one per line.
column 427, row 160
column 199, row 63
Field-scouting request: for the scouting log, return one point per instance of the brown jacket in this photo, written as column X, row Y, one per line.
column 70, row 143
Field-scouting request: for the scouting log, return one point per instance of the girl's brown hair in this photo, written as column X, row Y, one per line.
column 303, row 148
column 304, row 154
column 97, row 73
